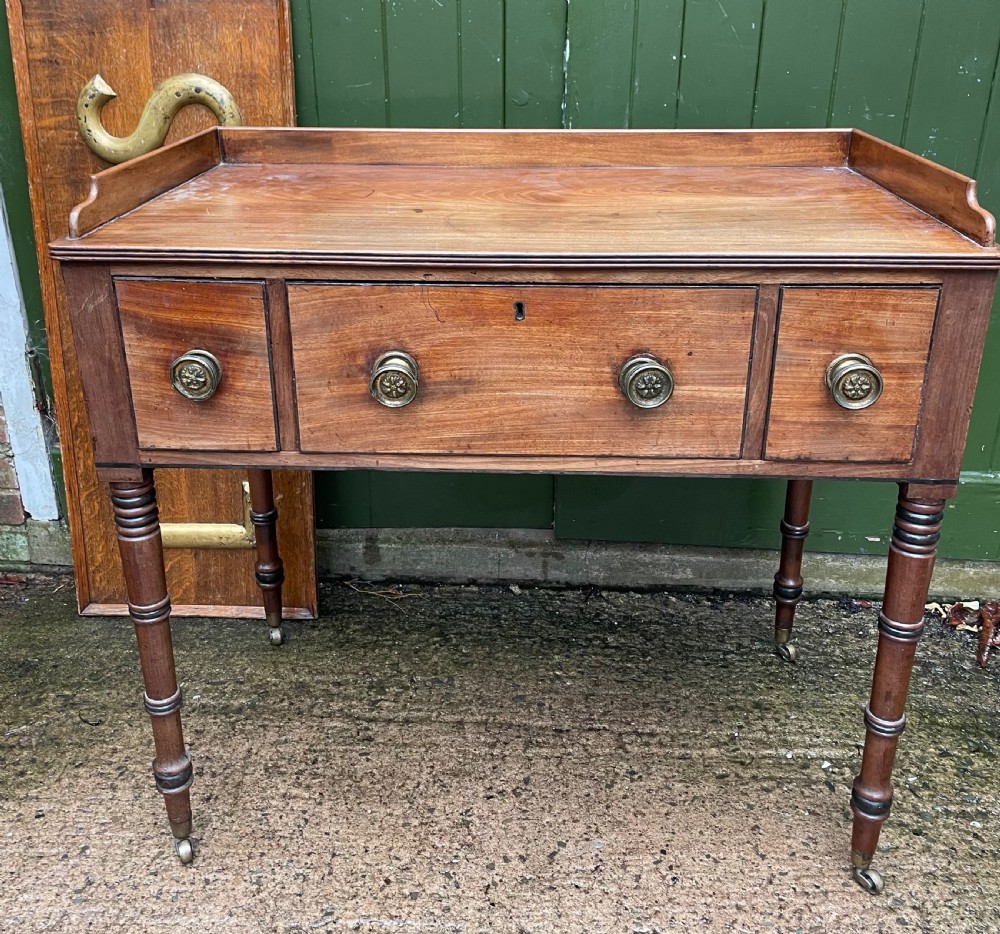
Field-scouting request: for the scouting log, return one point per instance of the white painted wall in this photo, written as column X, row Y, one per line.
column 24, row 424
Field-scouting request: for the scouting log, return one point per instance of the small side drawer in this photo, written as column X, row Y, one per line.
column 164, row 319
column 889, row 327
column 521, row 369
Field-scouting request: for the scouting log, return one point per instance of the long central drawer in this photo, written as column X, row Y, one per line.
column 520, row 369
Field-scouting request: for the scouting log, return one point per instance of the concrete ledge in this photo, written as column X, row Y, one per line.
column 536, row 557
column 35, row 544
column 533, row 556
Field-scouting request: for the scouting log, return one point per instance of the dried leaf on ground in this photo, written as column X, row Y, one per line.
column 960, row 614
column 989, row 616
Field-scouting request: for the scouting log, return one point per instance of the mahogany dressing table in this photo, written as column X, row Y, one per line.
column 793, row 304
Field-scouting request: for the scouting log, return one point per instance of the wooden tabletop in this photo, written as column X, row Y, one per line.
column 360, row 196
column 558, row 212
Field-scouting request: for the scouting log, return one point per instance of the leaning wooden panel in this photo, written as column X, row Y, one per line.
column 135, row 45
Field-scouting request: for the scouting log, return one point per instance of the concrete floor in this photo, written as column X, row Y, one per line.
column 475, row 759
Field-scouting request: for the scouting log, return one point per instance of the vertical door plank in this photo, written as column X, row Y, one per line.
column 721, row 45
column 423, row 69
column 658, row 26
column 875, row 66
column 57, row 45
column 600, row 38
column 305, row 58
column 983, row 449
column 951, row 84
column 798, row 56
column 349, row 62
column 481, row 55
column 986, row 170
column 534, row 63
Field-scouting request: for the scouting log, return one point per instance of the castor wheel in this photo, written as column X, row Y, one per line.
column 184, row 850
column 276, row 637
column 869, row 879
column 787, row 652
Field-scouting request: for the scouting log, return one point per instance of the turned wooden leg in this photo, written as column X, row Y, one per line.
column 915, row 535
column 788, row 580
column 269, row 570
column 138, row 526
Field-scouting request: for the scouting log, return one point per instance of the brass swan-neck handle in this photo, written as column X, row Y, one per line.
column 167, row 98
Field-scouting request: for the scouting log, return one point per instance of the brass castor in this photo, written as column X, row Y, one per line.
column 869, row 879
column 276, row 636
column 184, row 850
column 787, row 652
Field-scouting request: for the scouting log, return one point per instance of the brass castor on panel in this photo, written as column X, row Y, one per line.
column 787, row 652
column 869, row 880
column 185, row 852
column 276, row 637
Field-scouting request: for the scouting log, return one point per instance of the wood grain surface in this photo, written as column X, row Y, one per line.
column 548, row 464
column 537, row 148
column 163, row 319
column 596, row 274
column 941, row 192
column 283, row 374
column 892, row 327
column 93, row 309
column 547, row 384
column 58, row 45
column 953, row 369
column 118, row 190
column 384, row 212
column 497, row 183
column 839, row 311
column 761, row 365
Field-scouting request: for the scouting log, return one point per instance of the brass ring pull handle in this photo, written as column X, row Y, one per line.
column 853, row 381
column 394, row 379
column 196, row 375
column 167, row 98
column 645, row 382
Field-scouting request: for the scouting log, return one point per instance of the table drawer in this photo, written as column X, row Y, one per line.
column 521, row 369
column 891, row 329
column 165, row 319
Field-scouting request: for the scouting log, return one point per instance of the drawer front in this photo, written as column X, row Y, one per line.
column 164, row 319
column 521, row 369
column 891, row 327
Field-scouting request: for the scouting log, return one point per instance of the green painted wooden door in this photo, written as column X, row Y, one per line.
column 922, row 73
